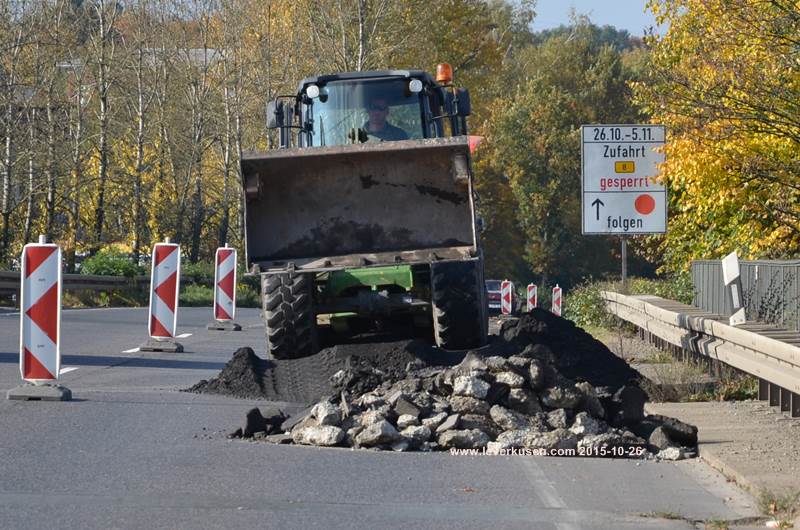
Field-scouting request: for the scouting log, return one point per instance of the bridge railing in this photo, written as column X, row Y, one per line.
column 771, row 289
column 769, row 353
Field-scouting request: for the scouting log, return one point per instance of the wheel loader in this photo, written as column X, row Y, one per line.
column 365, row 211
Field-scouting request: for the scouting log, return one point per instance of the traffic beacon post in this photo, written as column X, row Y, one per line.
column 225, row 290
column 165, row 279
column 532, row 297
column 40, row 324
column 620, row 190
column 506, row 298
column 733, row 289
column 555, row 306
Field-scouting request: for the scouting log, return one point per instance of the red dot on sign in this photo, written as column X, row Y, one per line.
column 644, row 204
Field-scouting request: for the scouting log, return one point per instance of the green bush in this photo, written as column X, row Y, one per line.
column 192, row 295
column 196, row 296
column 584, row 305
column 111, row 262
column 200, row 273
column 678, row 288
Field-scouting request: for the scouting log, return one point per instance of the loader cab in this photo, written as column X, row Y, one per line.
column 361, row 107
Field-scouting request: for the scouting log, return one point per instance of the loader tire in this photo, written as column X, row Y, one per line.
column 458, row 303
column 288, row 313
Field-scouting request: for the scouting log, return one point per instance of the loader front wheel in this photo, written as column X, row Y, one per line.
column 288, row 313
column 459, row 304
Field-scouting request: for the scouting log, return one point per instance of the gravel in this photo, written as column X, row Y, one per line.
column 543, row 384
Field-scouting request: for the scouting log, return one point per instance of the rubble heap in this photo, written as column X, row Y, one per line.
column 544, row 385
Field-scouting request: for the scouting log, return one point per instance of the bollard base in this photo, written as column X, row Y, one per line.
column 45, row 392
column 163, row 345
column 224, row 325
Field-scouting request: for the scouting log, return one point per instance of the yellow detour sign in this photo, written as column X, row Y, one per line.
column 624, row 167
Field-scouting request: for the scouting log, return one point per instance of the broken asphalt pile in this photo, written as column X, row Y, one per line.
column 543, row 385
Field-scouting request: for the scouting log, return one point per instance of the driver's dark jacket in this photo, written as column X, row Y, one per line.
column 388, row 133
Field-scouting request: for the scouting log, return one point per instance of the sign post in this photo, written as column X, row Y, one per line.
column 620, row 191
column 40, row 324
column 225, row 290
column 624, row 258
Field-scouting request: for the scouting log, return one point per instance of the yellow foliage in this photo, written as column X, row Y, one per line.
column 725, row 82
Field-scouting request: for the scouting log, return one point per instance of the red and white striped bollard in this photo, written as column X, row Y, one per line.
column 225, row 290
column 532, row 297
column 40, row 323
column 556, row 306
column 165, row 277
column 506, row 297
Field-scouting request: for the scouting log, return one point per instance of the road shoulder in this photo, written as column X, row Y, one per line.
column 749, row 442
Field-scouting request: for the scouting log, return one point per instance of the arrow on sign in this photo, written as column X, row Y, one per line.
column 598, row 203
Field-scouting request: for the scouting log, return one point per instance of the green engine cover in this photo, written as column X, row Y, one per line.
column 373, row 277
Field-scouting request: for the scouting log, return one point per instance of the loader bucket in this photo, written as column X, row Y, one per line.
column 359, row 205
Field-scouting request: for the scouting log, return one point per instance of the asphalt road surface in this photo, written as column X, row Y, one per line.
column 132, row 451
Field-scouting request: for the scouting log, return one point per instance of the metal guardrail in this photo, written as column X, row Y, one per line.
column 767, row 352
column 9, row 282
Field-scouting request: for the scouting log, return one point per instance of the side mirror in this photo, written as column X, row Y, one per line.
column 274, row 114
column 464, row 105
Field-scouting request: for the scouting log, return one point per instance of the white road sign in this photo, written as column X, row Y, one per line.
column 619, row 189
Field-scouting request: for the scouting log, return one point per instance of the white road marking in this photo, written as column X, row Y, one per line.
column 68, row 369
column 132, row 350
column 183, row 335
column 544, row 489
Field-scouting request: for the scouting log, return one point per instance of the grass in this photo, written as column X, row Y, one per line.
column 657, row 357
column 117, row 298
column 716, row 524
column 782, row 508
column 735, row 387
column 675, row 381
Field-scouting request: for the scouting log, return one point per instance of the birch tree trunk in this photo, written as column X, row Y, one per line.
column 104, row 47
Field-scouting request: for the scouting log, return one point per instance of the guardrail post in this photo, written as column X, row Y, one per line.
column 774, row 395
column 763, row 390
column 794, row 406
column 785, row 400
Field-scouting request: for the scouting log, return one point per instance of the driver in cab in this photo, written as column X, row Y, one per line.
column 377, row 126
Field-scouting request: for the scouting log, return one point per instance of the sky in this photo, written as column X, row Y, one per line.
column 622, row 14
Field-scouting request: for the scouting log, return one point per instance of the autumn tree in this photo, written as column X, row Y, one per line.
column 724, row 80
column 533, row 147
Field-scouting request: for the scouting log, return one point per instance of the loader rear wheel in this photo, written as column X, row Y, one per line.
column 458, row 301
column 288, row 313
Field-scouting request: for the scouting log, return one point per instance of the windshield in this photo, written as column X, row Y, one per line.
column 351, row 111
column 492, row 285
